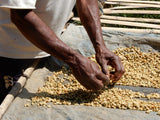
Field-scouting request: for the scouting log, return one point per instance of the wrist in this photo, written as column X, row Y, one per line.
column 73, row 59
column 99, row 44
column 101, row 48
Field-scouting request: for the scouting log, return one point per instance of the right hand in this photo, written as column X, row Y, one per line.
column 105, row 57
column 89, row 74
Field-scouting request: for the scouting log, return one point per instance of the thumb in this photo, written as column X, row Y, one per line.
column 104, row 68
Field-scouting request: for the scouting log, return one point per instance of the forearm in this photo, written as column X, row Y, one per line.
column 36, row 31
column 88, row 12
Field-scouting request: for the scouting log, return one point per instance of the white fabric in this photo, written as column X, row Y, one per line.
column 12, row 43
column 18, row 4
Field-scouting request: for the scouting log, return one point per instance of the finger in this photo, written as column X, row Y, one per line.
column 104, row 78
column 119, row 70
column 94, row 85
column 119, row 75
column 83, row 83
column 97, row 84
column 104, row 67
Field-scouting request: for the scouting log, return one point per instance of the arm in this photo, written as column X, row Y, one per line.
column 36, row 31
column 89, row 14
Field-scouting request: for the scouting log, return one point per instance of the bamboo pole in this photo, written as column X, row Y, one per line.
column 118, row 22
column 135, row 24
column 16, row 89
column 112, row 3
column 135, row 1
column 130, row 19
column 126, row 7
column 107, row 11
column 132, row 30
column 134, row 4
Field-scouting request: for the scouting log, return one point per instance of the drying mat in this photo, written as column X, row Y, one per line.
column 77, row 38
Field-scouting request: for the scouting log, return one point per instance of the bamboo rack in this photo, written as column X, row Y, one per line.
column 135, row 24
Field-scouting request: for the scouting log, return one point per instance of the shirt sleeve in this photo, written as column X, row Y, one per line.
column 18, row 4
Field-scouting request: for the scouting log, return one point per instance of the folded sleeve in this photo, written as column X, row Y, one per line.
column 18, row 4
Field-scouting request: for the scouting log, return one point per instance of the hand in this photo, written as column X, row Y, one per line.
column 105, row 57
column 89, row 74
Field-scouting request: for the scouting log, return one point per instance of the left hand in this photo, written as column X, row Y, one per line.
column 105, row 57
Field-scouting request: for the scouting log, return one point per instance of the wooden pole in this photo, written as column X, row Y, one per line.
column 126, row 7
column 107, row 11
column 16, row 89
column 134, row 4
column 130, row 19
column 135, row 1
column 132, row 30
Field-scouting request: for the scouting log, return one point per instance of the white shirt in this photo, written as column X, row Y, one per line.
column 12, row 43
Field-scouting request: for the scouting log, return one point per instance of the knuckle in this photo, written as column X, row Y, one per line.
column 92, row 76
column 116, row 57
column 123, row 70
column 119, row 70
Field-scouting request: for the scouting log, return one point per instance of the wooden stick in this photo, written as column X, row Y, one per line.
column 126, row 7
column 135, row 4
column 132, row 30
column 16, row 89
column 135, row 1
column 118, row 22
column 106, row 11
column 112, row 3
column 131, row 19
column 135, row 24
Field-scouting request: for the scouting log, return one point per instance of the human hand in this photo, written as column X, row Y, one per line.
column 105, row 57
column 89, row 74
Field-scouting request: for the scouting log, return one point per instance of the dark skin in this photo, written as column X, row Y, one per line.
column 85, row 71
column 90, row 18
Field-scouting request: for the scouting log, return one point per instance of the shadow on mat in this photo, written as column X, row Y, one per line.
column 77, row 96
